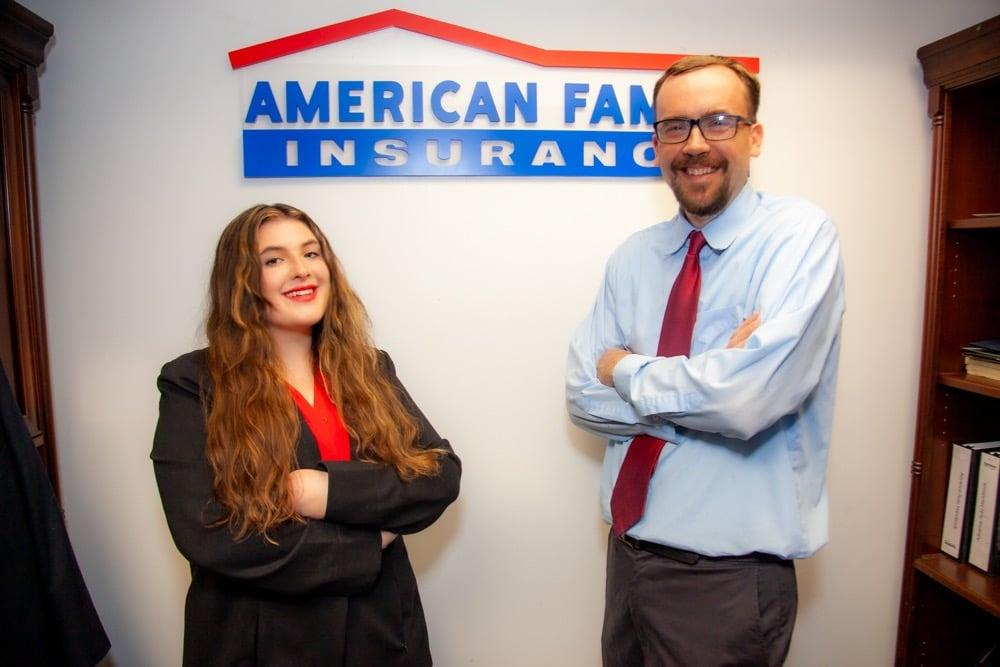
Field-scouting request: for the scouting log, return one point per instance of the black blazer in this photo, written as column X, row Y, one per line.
column 326, row 593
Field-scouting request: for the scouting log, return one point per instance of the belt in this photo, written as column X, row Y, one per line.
column 691, row 557
column 679, row 555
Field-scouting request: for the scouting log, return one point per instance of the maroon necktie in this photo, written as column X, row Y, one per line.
column 629, row 496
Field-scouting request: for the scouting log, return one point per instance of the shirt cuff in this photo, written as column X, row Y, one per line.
column 625, row 370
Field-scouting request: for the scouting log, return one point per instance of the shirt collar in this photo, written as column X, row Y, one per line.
column 720, row 231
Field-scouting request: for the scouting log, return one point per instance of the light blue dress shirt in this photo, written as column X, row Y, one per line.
column 748, row 429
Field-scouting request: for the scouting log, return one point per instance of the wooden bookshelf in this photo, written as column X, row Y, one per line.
column 973, row 383
column 977, row 222
column 950, row 611
column 971, row 583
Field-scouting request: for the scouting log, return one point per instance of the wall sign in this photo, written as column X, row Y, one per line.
column 564, row 113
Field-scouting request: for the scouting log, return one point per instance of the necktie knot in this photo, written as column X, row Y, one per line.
column 696, row 241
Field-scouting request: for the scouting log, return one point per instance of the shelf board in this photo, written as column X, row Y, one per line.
column 979, row 222
column 973, row 383
column 972, row 584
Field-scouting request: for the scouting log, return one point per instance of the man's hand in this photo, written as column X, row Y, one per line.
column 606, row 365
column 744, row 331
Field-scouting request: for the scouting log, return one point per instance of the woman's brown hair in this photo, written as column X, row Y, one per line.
column 252, row 423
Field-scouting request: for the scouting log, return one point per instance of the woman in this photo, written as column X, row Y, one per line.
column 289, row 458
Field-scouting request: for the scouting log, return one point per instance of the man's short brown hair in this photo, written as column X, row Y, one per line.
column 692, row 63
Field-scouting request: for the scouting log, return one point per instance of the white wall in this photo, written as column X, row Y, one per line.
column 474, row 286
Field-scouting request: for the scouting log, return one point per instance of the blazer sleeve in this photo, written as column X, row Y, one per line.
column 372, row 494
column 304, row 558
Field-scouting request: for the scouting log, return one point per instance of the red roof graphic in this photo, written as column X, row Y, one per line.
column 395, row 18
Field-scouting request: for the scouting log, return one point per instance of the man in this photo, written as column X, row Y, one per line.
column 710, row 362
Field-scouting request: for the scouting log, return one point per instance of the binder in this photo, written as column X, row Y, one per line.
column 960, row 501
column 983, row 537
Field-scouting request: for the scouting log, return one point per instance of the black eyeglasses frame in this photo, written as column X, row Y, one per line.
column 691, row 122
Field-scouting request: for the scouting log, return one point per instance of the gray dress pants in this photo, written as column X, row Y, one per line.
column 660, row 612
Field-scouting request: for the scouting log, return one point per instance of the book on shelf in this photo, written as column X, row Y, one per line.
column 988, row 350
column 982, row 368
column 983, row 537
column 960, row 501
column 982, row 358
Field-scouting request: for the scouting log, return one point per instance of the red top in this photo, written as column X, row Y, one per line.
column 323, row 419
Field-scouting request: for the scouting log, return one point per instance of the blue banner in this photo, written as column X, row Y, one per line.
column 281, row 153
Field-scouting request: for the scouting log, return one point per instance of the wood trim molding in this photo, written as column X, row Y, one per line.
column 963, row 58
column 23, row 39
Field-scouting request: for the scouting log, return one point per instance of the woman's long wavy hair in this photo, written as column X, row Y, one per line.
column 252, row 423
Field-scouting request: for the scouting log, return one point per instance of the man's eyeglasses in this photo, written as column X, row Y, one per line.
column 714, row 127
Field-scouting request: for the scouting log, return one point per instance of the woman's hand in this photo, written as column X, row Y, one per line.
column 387, row 538
column 309, row 491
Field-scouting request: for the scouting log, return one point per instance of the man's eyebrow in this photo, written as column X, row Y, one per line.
column 714, row 112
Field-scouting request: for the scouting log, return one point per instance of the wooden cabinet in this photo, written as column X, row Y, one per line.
column 950, row 611
column 23, row 349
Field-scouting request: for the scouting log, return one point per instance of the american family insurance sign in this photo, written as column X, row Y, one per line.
column 534, row 112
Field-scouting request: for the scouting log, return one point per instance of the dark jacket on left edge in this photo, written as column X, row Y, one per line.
column 46, row 614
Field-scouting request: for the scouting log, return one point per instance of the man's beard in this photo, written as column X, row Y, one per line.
column 695, row 205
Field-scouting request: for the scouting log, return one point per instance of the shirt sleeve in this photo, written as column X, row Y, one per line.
column 302, row 558
column 373, row 494
column 740, row 392
column 593, row 406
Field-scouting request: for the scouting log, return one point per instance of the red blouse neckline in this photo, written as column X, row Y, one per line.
column 324, row 421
